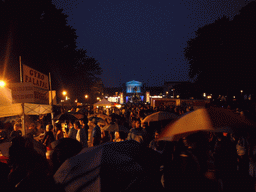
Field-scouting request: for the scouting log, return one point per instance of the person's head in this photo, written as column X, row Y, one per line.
column 65, row 148
column 137, row 124
column 197, row 140
column 32, row 126
column 16, row 127
column 144, row 125
column 70, row 125
column 94, row 121
column 157, row 133
column 57, row 127
column 49, row 127
column 77, row 125
column 81, row 122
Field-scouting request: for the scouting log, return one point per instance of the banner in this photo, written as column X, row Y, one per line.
column 27, row 93
column 35, row 77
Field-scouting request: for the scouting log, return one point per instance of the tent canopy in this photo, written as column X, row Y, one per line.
column 103, row 102
column 7, row 108
column 5, row 96
column 29, row 109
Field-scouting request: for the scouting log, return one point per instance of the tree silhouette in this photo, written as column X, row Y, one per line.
column 38, row 32
column 222, row 55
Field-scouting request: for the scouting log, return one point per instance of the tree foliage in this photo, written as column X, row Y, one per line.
column 222, row 55
column 38, row 32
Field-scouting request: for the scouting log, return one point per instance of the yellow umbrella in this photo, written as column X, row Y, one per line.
column 207, row 119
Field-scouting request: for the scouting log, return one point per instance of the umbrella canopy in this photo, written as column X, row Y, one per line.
column 159, row 116
column 102, row 116
column 208, row 119
column 109, row 167
column 98, row 119
column 69, row 116
column 112, row 127
column 38, row 146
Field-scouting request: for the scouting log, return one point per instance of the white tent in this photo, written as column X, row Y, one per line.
column 103, row 102
column 29, row 109
column 7, row 109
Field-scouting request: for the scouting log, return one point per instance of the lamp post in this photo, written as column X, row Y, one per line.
column 64, row 93
column 86, row 97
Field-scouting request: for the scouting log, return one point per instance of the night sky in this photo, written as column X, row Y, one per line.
column 142, row 40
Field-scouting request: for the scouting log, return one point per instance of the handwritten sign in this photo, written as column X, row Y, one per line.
column 27, row 93
column 36, row 78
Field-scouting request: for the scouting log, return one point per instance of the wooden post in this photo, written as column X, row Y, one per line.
column 23, row 113
column 52, row 115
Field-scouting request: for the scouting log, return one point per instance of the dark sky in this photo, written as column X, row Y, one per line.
column 142, row 40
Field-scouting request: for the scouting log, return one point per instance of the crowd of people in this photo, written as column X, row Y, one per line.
column 202, row 161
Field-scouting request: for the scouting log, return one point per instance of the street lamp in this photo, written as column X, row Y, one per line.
column 2, row 83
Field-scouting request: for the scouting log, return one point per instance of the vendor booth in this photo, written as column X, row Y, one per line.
column 9, row 109
column 104, row 104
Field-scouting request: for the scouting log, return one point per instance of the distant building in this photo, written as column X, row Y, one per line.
column 133, row 86
column 128, row 90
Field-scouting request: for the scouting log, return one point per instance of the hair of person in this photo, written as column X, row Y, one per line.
column 77, row 124
column 50, row 126
column 58, row 126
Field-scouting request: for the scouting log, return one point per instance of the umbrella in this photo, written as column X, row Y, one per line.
column 211, row 119
column 112, row 167
column 103, row 116
column 38, row 146
column 69, row 116
column 159, row 116
column 78, row 115
column 98, row 119
column 112, row 127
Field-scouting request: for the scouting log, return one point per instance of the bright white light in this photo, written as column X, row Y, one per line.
column 118, row 106
column 2, row 83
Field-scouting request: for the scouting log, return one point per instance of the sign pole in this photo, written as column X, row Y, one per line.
column 50, row 83
column 22, row 104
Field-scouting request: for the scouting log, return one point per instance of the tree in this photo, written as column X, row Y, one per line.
column 38, row 32
column 97, row 90
column 222, row 54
